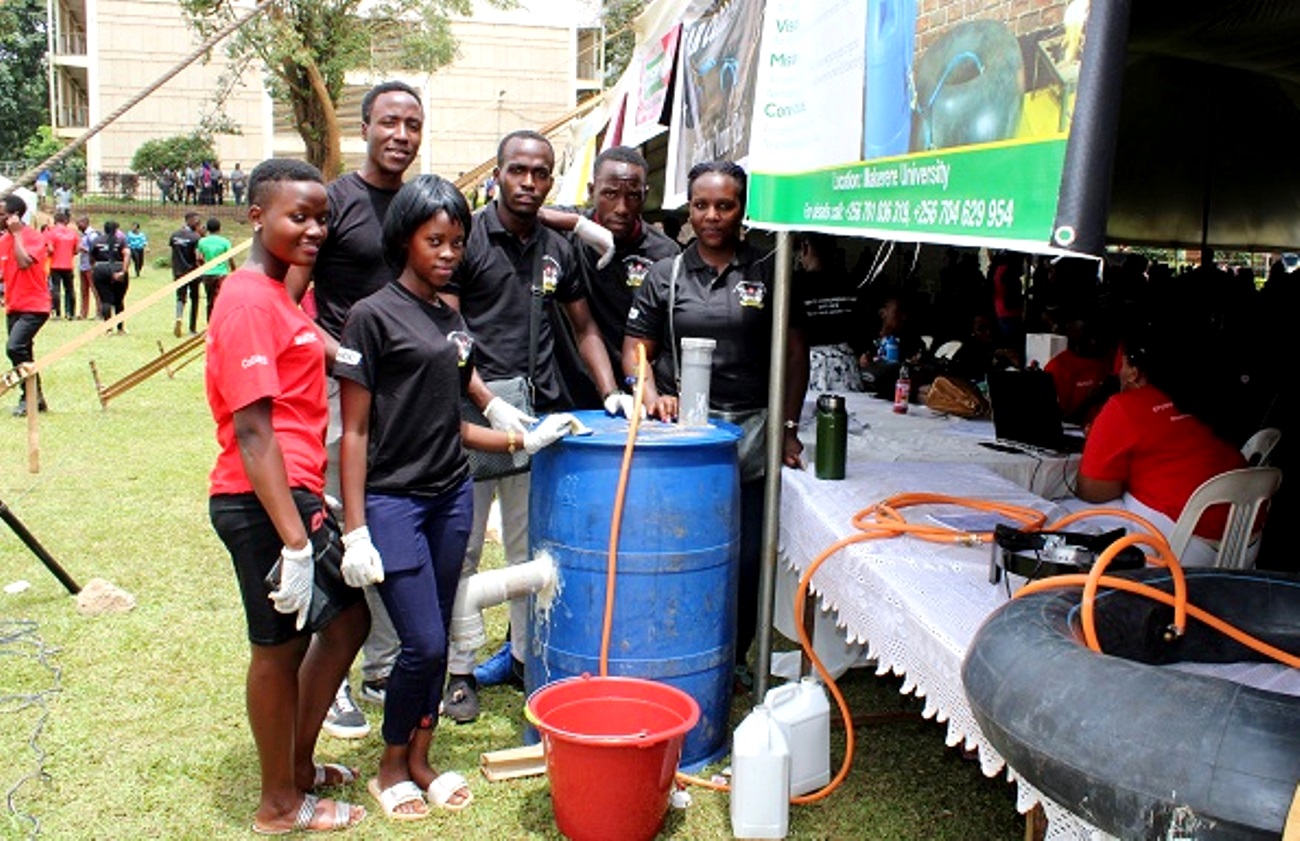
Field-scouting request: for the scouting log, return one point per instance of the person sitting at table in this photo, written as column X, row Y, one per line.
column 1083, row 373
column 720, row 287
column 982, row 350
column 1147, row 453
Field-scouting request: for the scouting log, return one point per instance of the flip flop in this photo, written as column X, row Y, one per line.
column 445, row 787
column 396, row 795
column 307, row 811
column 345, row 775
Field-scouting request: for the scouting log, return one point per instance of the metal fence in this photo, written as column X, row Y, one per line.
column 114, row 191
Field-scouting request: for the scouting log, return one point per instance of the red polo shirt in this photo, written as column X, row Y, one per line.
column 26, row 290
column 261, row 345
column 63, row 240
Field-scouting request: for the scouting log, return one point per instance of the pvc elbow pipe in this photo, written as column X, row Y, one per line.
column 492, row 587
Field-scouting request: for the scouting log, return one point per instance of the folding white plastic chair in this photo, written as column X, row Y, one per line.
column 1259, row 446
column 948, row 349
column 1244, row 491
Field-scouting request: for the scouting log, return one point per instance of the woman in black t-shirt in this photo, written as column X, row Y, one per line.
column 407, row 494
column 719, row 288
column 108, row 256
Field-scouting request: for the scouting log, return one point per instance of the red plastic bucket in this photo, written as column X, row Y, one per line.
column 612, row 748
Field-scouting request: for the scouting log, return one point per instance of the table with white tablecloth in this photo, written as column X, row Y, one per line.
column 878, row 434
column 916, row 605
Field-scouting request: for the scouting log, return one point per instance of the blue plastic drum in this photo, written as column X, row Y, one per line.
column 674, row 616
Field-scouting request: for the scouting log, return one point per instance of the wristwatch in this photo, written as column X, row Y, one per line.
column 791, row 425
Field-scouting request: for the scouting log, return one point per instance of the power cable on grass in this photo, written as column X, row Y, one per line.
column 21, row 638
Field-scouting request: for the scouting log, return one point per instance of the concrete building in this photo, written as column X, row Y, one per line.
column 516, row 68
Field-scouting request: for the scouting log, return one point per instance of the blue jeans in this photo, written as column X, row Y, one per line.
column 422, row 541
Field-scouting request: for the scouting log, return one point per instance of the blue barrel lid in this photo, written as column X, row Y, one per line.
column 609, row 431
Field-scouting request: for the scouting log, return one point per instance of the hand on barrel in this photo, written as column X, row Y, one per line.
column 551, row 429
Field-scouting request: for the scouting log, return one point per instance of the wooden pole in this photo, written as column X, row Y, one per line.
column 33, row 426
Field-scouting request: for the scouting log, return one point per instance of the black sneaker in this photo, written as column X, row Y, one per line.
column 344, row 720
column 374, row 691
column 460, row 703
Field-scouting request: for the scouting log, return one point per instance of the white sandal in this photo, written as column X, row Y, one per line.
column 445, row 787
column 397, row 795
column 346, row 775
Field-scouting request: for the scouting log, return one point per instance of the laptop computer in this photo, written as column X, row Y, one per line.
column 1026, row 413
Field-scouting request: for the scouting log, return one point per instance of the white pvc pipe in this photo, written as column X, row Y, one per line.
column 493, row 587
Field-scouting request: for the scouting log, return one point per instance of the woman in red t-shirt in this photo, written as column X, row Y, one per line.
column 265, row 383
column 1142, row 448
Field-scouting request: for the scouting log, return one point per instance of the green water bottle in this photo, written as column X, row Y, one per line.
column 832, row 436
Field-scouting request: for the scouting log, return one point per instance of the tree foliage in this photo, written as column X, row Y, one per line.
column 24, row 101
column 620, row 41
column 175, row 153
column 306, row 47
column 43, row 145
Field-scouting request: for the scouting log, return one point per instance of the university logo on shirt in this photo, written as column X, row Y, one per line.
column 637, row 268
column 751, row 293
column 464, row 343
column 550, row 274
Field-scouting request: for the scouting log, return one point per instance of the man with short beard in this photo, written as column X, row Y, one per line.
column 349, row 267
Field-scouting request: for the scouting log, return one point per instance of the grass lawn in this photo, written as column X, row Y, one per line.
column 132, row 725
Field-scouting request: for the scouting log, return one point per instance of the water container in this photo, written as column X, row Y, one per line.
column 697, row 372
column 760, row 778
column 675, row 595
column 803, row 713
column 832, row 437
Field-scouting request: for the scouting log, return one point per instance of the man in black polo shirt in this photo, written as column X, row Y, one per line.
column 349, row 267
column 185, row 259
column 493, row 290
column 616, row 194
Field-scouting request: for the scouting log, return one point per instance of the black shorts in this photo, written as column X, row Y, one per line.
column 254, row 545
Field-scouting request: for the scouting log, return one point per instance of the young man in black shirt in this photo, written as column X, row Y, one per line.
column 493, row 289
column 349, row 267
column 184, row 244
column 616, row 194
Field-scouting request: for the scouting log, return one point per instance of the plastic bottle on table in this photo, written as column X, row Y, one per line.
column 902, row 390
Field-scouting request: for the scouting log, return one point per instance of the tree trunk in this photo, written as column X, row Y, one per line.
column 317, row 122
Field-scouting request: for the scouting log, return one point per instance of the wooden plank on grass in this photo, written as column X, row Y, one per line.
column 526, row 761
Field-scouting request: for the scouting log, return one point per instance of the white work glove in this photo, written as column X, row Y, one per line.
column 297, row 571
column 361, row 562
column 551, row 429
column 505, row 417
column 617, row 403
column 598, row 237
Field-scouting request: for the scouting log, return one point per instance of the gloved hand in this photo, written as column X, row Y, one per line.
column 598, row 237
column 297, row 571
column 361, row 562
column 618, row 403
column 551, row 429
column 505, row 417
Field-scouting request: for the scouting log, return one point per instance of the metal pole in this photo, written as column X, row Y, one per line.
column 775, row 450
column 37, row 549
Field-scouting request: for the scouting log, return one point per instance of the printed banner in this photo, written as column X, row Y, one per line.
column 948, row 123
column 647, row 99
column 717, row 67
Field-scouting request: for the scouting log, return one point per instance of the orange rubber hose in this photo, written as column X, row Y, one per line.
column 616, row 521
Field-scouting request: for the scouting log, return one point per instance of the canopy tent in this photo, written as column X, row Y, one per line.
column 1209, row 110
